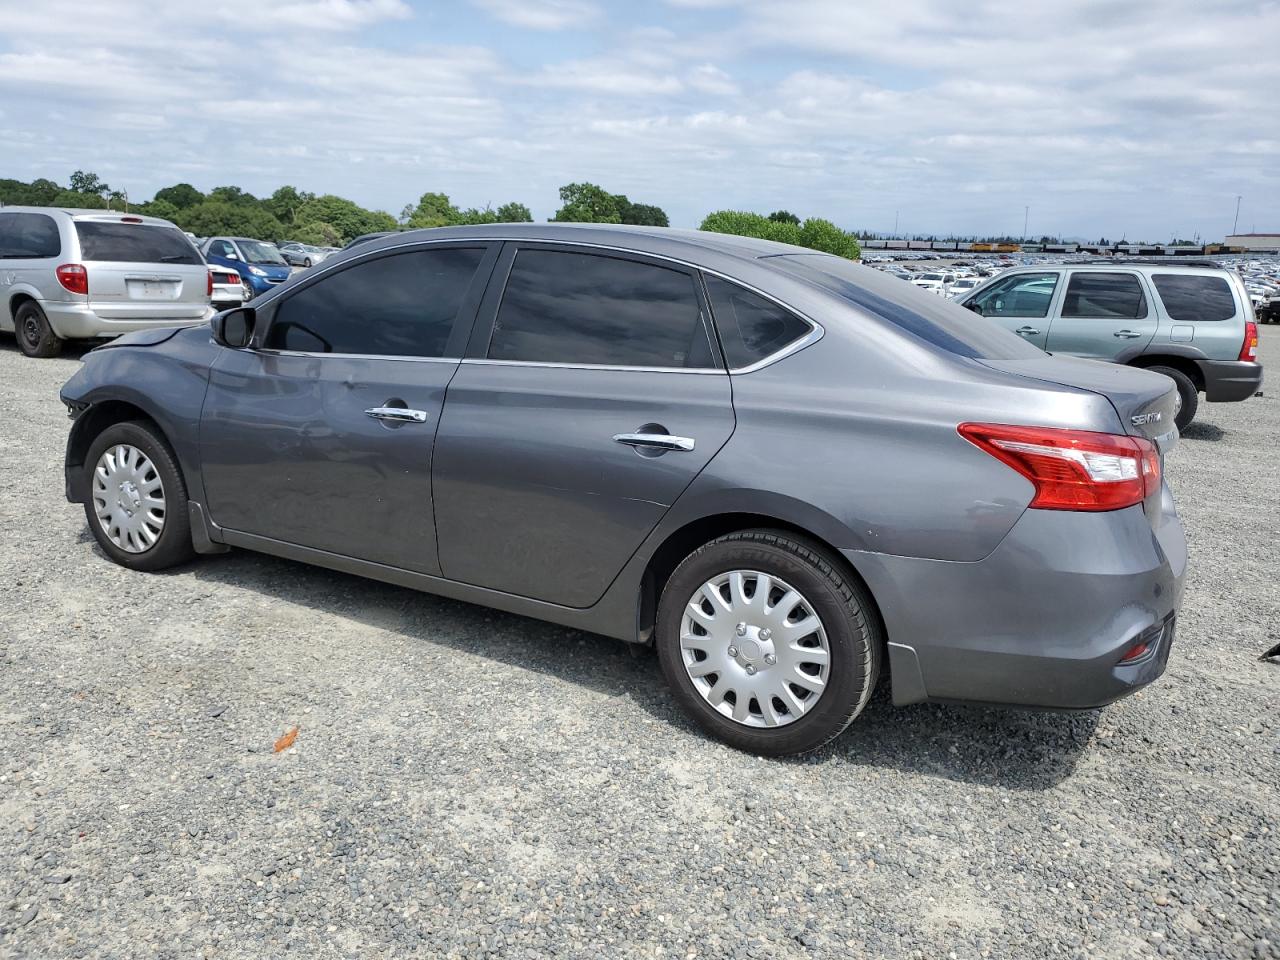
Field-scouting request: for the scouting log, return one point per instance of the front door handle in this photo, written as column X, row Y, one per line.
column 659, row 441
column 1126, row 334
column 1028, row 331
column 397, row 414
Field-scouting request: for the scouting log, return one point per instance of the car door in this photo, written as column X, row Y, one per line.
column 321, row 434
column 1103, row 316
column 1021, row 302
column 592, row 395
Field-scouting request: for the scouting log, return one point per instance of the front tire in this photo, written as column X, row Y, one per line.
column 767, row 642
column 137, row 502
column 1188, row 396
column 35, row 337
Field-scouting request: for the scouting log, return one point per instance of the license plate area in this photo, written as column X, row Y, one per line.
column 152, row 289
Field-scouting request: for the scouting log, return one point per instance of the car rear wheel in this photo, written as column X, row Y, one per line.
column 35, row 337
column 767, row 643
column 1188, row 397
column 137, row 503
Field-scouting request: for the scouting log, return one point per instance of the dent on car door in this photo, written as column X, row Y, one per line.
column 321, row 434
column 1103, row 316
column 574, row 426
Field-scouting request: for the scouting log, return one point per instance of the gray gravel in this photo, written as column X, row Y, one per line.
column 467, row 783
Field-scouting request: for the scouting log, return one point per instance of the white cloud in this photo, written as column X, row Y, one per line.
column 541, row 14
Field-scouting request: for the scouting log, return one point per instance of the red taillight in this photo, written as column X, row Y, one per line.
column 1073, row 469
column 130, row 219
column 1136, row 652
column 208, row 290
column 73, row 277
column 1249, row 349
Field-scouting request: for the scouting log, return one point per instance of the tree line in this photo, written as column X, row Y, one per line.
column 329, row 220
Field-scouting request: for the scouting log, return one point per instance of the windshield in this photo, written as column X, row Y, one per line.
column 933, row 319
column 255, row 251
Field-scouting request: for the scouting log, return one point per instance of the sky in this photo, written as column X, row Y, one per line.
column 1137, row 119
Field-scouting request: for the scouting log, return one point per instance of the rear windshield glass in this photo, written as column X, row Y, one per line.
column 135, row 243
column 1193, row 298
column 926, row 315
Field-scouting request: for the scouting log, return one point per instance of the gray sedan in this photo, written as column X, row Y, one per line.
column 788, row 473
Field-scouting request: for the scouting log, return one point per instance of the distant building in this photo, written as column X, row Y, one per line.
column 1269, row 242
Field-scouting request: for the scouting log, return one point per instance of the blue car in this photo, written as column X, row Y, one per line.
column 259, row 263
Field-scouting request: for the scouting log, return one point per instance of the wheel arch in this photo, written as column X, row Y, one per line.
column 685, row 539
column 88, row 427
column 16, row 300
column 1182, row 364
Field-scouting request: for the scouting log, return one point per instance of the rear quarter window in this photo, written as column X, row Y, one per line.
column 134, row 243
column 1191, row 298
column 751, row 327
column 28, row 236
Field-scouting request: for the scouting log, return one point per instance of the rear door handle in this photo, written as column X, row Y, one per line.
column 1126, row 334
column 660, row 441
column 1028, row 331
column 397, row 414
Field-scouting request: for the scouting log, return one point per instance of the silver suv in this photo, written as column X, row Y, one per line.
column 1191, row 322
column 73, row 274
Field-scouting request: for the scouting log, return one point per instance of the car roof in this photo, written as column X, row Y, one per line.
column 1110, row 266
column 84, row 213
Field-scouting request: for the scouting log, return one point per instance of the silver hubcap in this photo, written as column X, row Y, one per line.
column 754, row 648
column 128, row 498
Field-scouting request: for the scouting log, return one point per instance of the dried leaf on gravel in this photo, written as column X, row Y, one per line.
column 287, row 738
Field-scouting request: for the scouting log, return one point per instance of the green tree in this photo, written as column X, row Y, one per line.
column 232, row 195
column 588, row 203
column 644, row 215
column 83, row 182
column 222, row 218
column 818, row 234
column 433, row 210
column 87, row 201
column 286, row 203
column 514, row 213
column 181, row 195
column 472, row 216
column 349, row 218
column 784, row 216
column 318, row 233
column 815, row 233
column 159, row 208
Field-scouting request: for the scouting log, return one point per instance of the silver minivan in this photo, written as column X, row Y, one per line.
column 81, row 274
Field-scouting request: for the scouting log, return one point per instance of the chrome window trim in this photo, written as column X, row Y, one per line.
column 485, row 361
column 352, row 356
column 815, row 334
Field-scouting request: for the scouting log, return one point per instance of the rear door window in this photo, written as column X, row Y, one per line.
column 751, row 327
column 1105, row 295
column 1192, row 298
column 582, row 308
column 134, row 243
column 28, row 236
column 403, row 305
column 1021, row 295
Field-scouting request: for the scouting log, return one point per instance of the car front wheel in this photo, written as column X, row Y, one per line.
column 767, row 642
column 137, row 503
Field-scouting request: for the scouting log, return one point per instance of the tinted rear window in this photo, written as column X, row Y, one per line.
column 751, row 327
column 1104, row 295
column 925, row 315
column 134, row 243
column 1195, row 298
column 28, row 236
column 561, row 307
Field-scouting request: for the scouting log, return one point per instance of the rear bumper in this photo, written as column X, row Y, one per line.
column 1043, row 620
column 1226, row 380
column 78, row 321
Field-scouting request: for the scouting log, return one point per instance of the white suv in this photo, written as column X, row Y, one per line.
column 68, row 274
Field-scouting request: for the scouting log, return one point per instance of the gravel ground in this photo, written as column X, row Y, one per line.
column 466, row 783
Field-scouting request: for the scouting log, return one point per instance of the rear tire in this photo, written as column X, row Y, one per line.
column 129, row 481
column 35, row 337
column 1188, row 395
column 850, row 644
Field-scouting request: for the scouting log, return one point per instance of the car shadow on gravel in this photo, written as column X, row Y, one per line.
column 1014, row 749
column 1203, row 431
